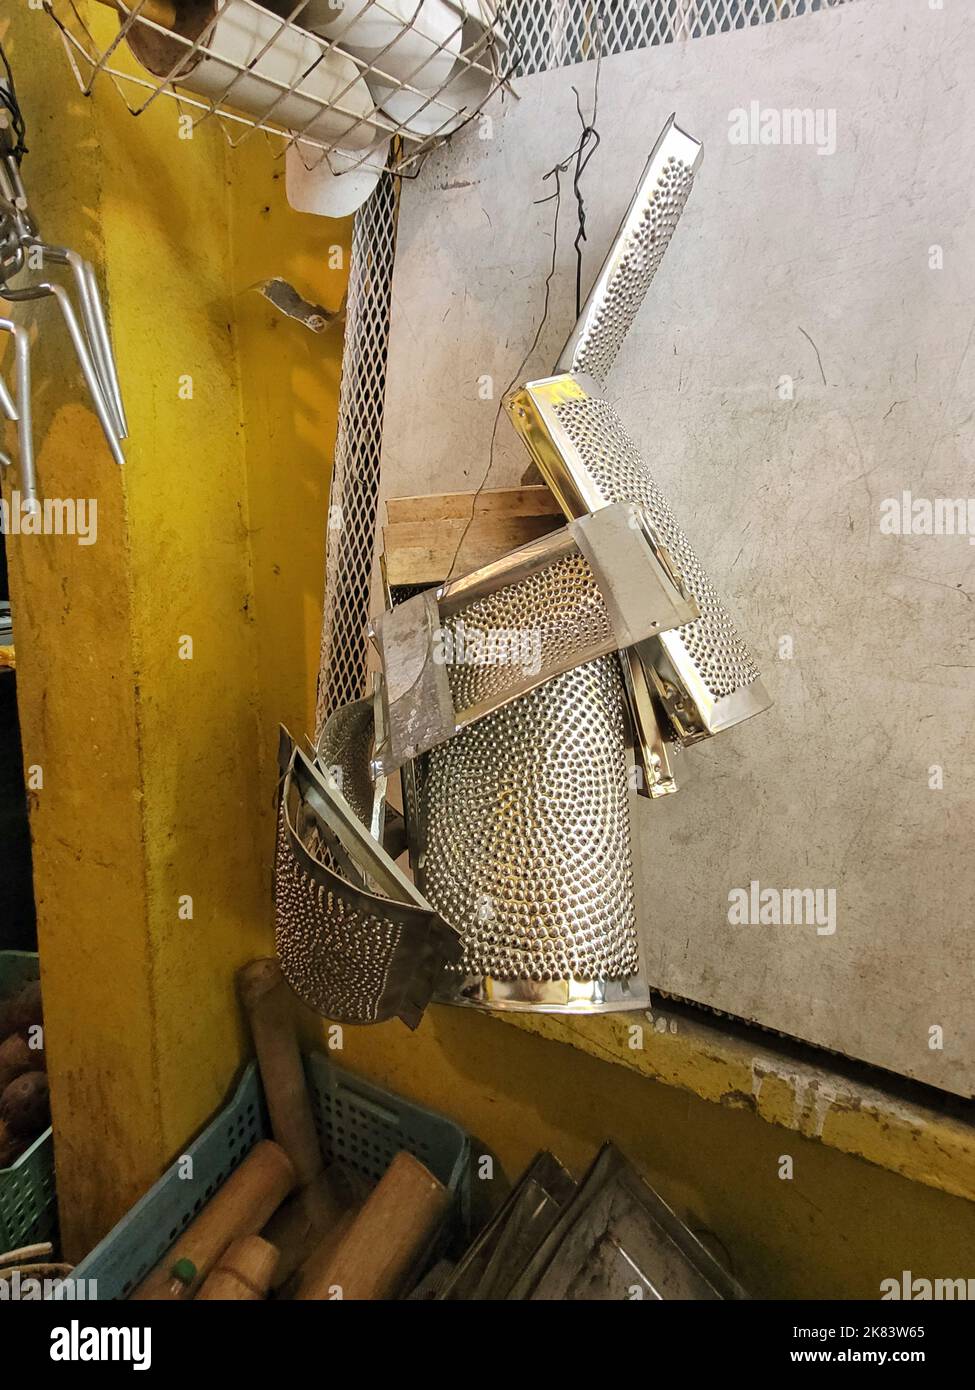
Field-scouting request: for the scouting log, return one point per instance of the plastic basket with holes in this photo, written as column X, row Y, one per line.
column 28, row 1208
column 358, row 1123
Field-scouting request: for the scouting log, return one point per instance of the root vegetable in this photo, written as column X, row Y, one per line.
column 25, row 1105
column 27, row 1007
column 15, row 1058
column 11, row 1146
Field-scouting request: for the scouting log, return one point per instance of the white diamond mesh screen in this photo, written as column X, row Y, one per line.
column 355, row 478
column 541, row 36
column 567, row 31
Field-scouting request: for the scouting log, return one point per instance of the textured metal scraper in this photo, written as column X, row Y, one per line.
column 355, row 939
column 703, row 673
column 643, row 237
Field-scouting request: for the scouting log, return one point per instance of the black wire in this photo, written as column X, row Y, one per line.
column 8, row 100
column 588, row 145
column 557, row 195
column 583, row 152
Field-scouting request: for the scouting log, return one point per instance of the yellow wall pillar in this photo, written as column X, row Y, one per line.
column 157, row 766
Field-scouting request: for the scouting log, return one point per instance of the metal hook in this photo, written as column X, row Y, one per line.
column 6, row 400
column 96, row 328
column 92, row 380
column 21, row 412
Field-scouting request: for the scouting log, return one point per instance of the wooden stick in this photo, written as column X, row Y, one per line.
column 243, row 1273
column 270, row 1009
column 297, row 1227
column 241, row 1207
column 376, row 1254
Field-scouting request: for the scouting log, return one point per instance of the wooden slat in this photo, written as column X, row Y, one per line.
column 516, row 501
column 423, row 553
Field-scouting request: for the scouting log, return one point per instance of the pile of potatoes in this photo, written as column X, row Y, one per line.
column 24, row 1106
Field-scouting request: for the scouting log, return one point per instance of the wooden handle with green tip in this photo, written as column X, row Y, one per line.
column 241, row 1207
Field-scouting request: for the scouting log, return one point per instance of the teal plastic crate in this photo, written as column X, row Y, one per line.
column 358, row 1124
column 28, row 1206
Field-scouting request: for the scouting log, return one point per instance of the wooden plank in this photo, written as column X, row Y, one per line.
column 424, row 553
column 516, row 501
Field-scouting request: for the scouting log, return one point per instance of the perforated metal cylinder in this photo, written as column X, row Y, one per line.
column 526, row 849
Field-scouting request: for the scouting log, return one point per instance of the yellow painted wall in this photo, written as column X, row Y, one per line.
column 834, row 1230
column 159, row 775
column 158, row 772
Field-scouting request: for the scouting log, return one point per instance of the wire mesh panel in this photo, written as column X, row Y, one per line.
column 553, row 35
column 541, row 35
column 355, row 477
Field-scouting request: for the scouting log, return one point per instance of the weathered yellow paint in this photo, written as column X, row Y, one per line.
column 833, row 1230
column 158, row 774
column 932, row 1144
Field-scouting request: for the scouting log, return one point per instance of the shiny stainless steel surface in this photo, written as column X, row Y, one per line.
column 25, row 258
column 637, row 251
column 703, row 674
column 527, row 818
column 453, row 655
column 524, row 828
column 354, row 953
column 344, row 750
column 18, row 407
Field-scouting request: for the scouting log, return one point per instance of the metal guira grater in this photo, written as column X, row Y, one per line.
column 522, row 821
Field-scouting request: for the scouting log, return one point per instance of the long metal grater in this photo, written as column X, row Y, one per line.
column 703, row 676
column 525, row 847
column 703, row 673
column 634, row 258
column 524, row 818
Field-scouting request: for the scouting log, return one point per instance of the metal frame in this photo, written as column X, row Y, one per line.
column 173, row 59
column 639, row 588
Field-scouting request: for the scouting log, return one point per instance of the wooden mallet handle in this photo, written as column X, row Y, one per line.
column 269, row 1004
column 243, row 1273
column 241, row 1207
column 378, row 1251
